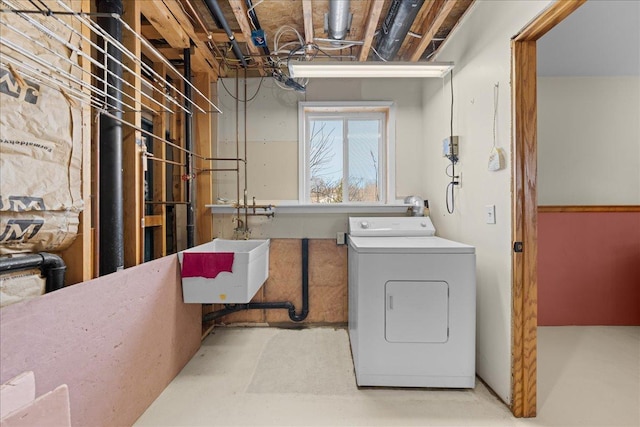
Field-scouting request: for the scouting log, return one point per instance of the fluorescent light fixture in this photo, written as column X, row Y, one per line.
column 330, row 69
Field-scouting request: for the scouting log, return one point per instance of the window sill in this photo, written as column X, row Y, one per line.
column 297, row 208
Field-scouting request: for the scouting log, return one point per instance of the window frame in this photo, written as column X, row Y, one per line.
column 387, row 162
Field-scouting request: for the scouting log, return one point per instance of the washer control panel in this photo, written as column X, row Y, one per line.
column 391, row 226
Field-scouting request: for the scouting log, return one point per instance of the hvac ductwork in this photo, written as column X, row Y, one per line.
column 338, row 19
column 395, row 27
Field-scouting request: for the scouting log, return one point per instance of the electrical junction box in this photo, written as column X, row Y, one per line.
column 450, row 147
column 259, row 38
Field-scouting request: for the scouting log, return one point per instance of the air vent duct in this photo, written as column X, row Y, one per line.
column 338, row 20
column 395, row 27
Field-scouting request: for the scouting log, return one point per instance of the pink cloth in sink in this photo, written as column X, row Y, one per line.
column 206, row 264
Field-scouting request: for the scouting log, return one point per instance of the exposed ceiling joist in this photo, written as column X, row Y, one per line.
column 307, row 13
column 375, row 10
column 435, row 27
column 165, row 23
column 203, row 58
column 219, row 36
column 240, row 11
column 423, row 22
column 149, row 32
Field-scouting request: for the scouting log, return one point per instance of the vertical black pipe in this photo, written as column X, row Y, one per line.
column 188, row 137
column 111, row 228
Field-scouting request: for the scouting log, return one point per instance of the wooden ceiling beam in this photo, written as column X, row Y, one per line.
column 149, row 32
column 307, row 14
column 202, row 54
column 375, row 10
column 163, row 20
column 240, row 11
column 219, row 36
column 435, row 27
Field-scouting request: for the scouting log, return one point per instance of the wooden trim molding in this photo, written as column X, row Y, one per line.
column 589, row 208
column 524, row 207
column 548, row 19
column 524, row 288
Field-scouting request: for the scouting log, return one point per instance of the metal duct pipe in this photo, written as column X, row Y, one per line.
column 52, row 267
column 111, row 227
column 338, row 19
column 395, row 27
column 188, row 137
column 217, row 14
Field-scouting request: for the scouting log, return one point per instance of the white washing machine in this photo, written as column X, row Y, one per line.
column 412, row 304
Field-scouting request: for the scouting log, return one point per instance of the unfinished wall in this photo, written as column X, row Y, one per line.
column 116, row 341
column 327, row 283
column 482, row 56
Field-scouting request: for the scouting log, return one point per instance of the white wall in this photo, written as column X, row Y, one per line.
column 481, row 50
column 588, row 140
column 272, row 147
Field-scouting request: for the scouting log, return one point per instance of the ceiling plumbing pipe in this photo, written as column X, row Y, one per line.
column 338, row 19
column 52, row 267
column 216, row 12
column 286, row 305
column 396, row 26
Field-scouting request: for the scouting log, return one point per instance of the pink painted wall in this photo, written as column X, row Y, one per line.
column 589, row 268
column 116, row 341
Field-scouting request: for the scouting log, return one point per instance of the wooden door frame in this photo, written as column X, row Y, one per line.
column 524, row 321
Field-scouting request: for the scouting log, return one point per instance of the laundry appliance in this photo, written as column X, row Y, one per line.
column 412, row 304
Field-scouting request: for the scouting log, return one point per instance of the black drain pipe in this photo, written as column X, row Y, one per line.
column 52, row 267
column 216, row 12
column 111, row 228
column 286, row 305
column 188, row 137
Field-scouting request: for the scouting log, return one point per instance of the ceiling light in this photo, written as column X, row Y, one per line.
column 329, row 69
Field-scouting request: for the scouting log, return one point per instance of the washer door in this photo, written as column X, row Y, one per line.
column 417, row 311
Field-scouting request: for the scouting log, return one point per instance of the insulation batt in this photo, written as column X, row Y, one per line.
column 40, row 145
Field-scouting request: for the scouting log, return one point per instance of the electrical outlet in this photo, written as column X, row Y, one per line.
column 490, row 214
column 341, row 238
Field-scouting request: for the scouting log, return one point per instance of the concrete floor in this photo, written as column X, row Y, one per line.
column 587, row 376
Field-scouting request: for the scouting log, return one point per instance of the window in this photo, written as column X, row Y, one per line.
column 346, row 152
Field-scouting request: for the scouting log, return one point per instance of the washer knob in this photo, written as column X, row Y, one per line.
column 423, row 223
column 364, row 224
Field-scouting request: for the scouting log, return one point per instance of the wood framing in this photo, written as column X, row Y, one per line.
column 240, row 11
column 165, row 23
column 160, row 172
column 82, row 247
column 203, row 145
column 307, row 13
column 524, row 207
column 375, row 10
column 429, row 35
column 203, row 60
column 133, row 194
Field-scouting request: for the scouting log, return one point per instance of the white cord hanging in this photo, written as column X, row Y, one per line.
column 496, row 155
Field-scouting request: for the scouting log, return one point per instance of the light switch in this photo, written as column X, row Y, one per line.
column 490, row 214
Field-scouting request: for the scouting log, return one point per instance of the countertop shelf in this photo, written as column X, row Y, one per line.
column 296, row 208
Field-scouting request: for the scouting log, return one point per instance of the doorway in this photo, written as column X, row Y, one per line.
column 524, row 207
